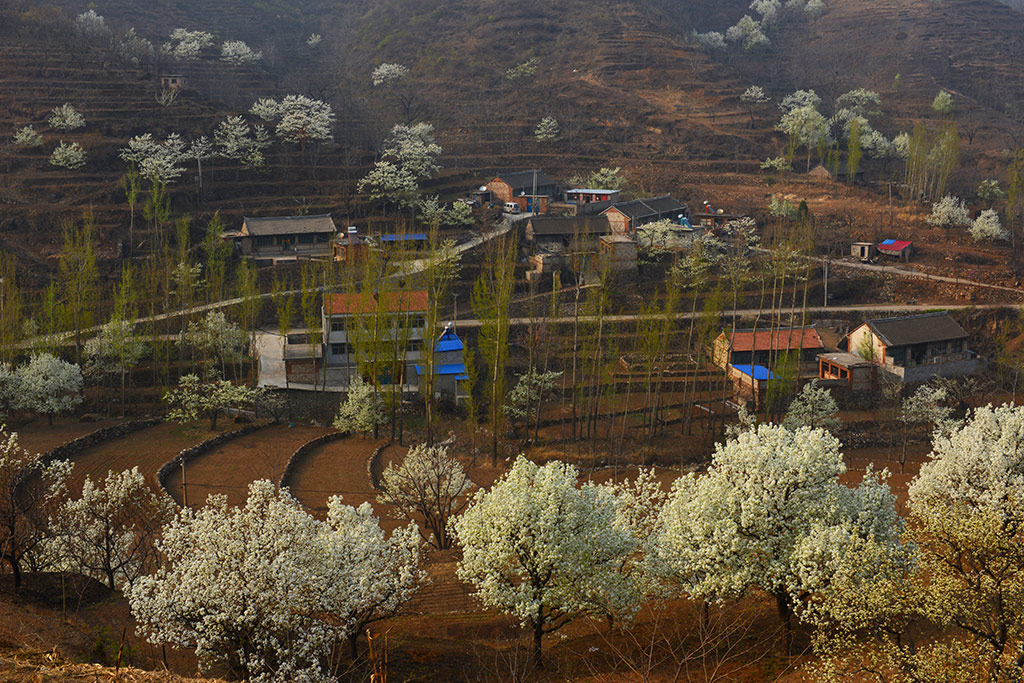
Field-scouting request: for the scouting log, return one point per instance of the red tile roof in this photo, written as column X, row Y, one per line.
column 393, row 302
column 786, row 338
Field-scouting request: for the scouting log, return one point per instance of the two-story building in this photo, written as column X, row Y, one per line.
column 380, row 333
column 916, row 348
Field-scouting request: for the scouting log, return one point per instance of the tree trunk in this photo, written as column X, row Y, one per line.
column 538, row 654
column 353, row 644
column 15, row 570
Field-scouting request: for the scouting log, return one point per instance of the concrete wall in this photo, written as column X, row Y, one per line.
column 923, row 373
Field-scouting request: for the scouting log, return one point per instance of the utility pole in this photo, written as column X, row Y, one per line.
column 184, row 489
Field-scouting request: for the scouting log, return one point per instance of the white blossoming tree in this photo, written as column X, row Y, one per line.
column 91, row 26
column 547, row 129
column 748, row 32
column 390, row 183
column 414, row 149
column 30, row 490
column 158, row 162
column 527, row 396
column 66, row 118
column 710, row 40
column 69, row 155
column 987, row 228
column 924, row 408
column 362, row 410
column 800, row 98
column 542, row 548
column 110, row 531
column 943, row 103
column 48, row 386
column 217, row 338
column 813, row 407
column 429, row 488
column 754, row 96
column 194, row 399
column 300, row 119
column 27, row 137
column 236, row 140
column 806, row 127
column 239, row 53
column 265, row 590
column 114, row 352
column 768, row 491
column 958, row 609
column 388, row 74
column 949, row 212
column 187, row 45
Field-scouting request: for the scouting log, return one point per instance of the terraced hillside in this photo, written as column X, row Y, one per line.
column 621, row 77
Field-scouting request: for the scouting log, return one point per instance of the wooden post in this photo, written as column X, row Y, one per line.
column 184, row 489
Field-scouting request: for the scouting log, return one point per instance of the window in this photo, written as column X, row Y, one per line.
column 415, row 344
column 305, row 239
column 264, row 240
column 417, row 321
column 337, row 325
column 341, row 349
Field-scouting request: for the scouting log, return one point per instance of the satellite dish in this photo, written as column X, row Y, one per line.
column 483, row 188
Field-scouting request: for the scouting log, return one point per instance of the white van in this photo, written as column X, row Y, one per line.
column 511, row 207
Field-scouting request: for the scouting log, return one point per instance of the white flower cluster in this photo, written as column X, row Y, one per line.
column 91, row 26
column 66, row 117
column 45, row 385
column 300, row 119
column 362, row 409
column 238, row 53
column 265, row 590
column 27, row 137
column 155, row 160
column 388, row 74
column 237, row 140
column 547, row 129
column 949, row 212
column 413, row 148
column 187, row 45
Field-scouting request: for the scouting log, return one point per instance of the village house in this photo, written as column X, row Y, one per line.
column 618, row 253
column 589, row 196
column 765, row 347
column 566, row 229
column 750, row 383
column 389, row 326
column 349, row 248
column 285, row 238
column 626, row 217
column 916, row 348
column 530, row 189
column 897, row 249
column 862, row 250
column 848, row 371
column 450, row 375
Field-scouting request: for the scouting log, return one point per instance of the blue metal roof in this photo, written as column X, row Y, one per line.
column 458, row 369
column 410, row 237
column 758, row 372
column 449, row 342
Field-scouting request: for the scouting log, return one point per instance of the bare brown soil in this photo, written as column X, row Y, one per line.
column 229, row 469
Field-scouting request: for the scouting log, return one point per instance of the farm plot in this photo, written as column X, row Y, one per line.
column 147, row 449
column 337, row 468
column 39, row 437
column 231, row 468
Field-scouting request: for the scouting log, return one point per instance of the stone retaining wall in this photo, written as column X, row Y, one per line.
column 304, row 450
column 371, row 465
column 199, row 449
column 72, row 448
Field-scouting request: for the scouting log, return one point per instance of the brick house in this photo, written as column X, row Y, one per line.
column 626, row 217
column 916, row 348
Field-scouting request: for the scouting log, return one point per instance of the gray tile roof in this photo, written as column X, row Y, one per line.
column 650, row 208
column 917, row 329
column 289, row 225
column 523, row 180
column 569, row 225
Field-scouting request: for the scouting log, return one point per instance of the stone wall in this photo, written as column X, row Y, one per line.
column 73, row 448
column 304, row 450
column 193, row 452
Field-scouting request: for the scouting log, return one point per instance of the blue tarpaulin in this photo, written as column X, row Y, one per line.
column 410, row 237
column 758, row 372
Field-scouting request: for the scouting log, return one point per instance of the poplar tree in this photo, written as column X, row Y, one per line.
column 492, row 294
column 443, row 270
column 79, row 278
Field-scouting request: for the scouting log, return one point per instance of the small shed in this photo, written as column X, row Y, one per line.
column 750, row 382
column 848, row 371
column 899, row 249
column 588, row 196
column 619, row 252
column 862, row 250
column 172, row 82
column 349, row 248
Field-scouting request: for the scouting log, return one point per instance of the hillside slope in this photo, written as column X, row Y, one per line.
column 620, row 76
